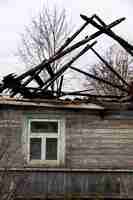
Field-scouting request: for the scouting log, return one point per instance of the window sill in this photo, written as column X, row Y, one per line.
column 44, row 163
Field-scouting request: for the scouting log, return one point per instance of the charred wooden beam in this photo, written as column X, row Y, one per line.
column 109, row 66
column 21, row 87
column 17, row 89
column 60, row 72
column 39, row 80
column 68, row 50
column 66, row 66
column 99, row 79
column 31, row 92
column 108, row 27
column 32, row 71
column 21, row 90
column 100, row 20
column 128, row 47
column 15, row 83
column 70, row 39
column 102, row 59
column 60, row 86
column 16, row 86
column 31, row 78
column 49, row 70
column 38, row 92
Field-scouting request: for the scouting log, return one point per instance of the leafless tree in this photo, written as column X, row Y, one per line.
column 119, row 60
column 43, row 38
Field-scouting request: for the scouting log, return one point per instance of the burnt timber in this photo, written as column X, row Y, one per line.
column 19, row 85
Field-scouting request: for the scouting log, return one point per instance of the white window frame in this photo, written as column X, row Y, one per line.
column 60, row 135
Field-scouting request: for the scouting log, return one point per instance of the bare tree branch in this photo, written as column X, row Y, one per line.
column 121, row 62
column 43, row 38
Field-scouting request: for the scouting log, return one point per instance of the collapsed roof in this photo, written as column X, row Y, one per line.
column 15, row 85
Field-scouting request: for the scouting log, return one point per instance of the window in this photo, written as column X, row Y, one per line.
column 45, row 140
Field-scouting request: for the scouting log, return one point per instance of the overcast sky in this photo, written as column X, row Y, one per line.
column 15, row 14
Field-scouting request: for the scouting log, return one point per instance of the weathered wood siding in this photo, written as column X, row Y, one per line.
column 93, row 139
column 100, row 143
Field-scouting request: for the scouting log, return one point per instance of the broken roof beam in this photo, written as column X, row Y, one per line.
column 100, row 20
column 50, row 81
column 49, row 69
column 7, row 82
column 16, row 90
column 128, row 47
column 31, row 78
column 102, row 59
column 68, row 50
column 36, row 76
column 109, row 66
column 39, row 80
column 99, row 79
column 108, row 27
column 70, row 39
column 60, row 86
column 35, row 71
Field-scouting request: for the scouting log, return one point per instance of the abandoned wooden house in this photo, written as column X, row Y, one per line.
column 51, row 147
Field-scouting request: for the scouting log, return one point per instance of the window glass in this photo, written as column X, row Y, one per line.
column 51, row 148
column 44, row 127
column 35, row 148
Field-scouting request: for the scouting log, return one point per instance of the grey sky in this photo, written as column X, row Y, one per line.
column 15, row 14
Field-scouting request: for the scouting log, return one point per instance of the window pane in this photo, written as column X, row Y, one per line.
column 51, row 148
column 35, row 148
column 44, row 126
